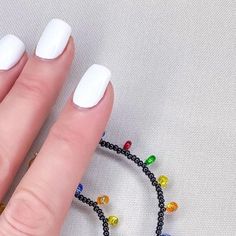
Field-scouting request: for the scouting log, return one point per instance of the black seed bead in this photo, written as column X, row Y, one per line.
column 102, row 143
column 111, row 146
column 88, row 200
column 160, row 223
column 154, row 183
column 96, row 208
column 161, row 214
column 115, row 148
column 123, row 151
column 100, row 210
column 105, row 224
column 100, row 213
column 153, row 179
column 140, row 163
column 160, row 192
column 105, row 228
column 129, row 156
column 136, row 160
column 145, row 169
column 161, row 200
column 102, row 217
column 107, row 144
column 133, row 157
column 150, row 175
column 160, row 218
column 106, row 233
column 118, row 150
column 127, row 152
column 162, row 209
column 158, row 187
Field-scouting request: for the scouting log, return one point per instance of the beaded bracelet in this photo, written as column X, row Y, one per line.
column 158, row 184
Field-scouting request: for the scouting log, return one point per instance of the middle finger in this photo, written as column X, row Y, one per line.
column 25, row 108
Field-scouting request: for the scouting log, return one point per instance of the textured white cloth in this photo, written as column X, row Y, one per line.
column 173, row 71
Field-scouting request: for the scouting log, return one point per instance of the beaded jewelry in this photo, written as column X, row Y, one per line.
column 157, row 183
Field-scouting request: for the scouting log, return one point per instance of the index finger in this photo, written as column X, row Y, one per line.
column 41, row 201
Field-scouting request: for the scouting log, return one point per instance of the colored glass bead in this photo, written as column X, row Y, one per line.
column 79, row 189
column 150, row 160
column 103, row 200
column 127, row 145
column 113, row 220
column 171, row 207
column 163, row 181
column 2, row 207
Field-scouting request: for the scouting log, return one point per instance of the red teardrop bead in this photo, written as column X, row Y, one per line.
column 127, row 145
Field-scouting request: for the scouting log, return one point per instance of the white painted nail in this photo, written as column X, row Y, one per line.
column 92, row 86
column 53, row 40
column 11, row 51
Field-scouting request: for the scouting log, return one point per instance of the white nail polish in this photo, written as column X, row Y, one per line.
column 53, row 40
column 92, row 86
column 11, row 51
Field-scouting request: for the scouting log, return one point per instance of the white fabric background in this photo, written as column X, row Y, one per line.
column 173, row 72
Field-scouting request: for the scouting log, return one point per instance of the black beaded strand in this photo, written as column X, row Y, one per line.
column 151, row 176
column 97, row 209
column 146, row 171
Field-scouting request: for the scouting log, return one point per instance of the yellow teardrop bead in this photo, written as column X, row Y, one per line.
column 171, row 207
column 113, row 220
column 103, row 200
column 2, row 207
column 163, row 181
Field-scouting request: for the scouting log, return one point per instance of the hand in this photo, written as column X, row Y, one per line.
column 29, row 87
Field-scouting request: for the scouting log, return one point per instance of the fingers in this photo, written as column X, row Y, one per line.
column 12, row 61
column 25, row 108
column 41, row 200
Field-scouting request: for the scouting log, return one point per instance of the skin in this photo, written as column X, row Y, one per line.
column 27, row 93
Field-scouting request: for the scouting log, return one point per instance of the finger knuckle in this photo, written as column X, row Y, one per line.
column 67, row 135
column 31, row 86
column 28, row 214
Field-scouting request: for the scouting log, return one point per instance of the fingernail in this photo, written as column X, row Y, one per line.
column 92, row 86
column 11, row 51
column 53, row 40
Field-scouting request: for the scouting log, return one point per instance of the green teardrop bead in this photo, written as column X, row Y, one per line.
column 150, row 160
